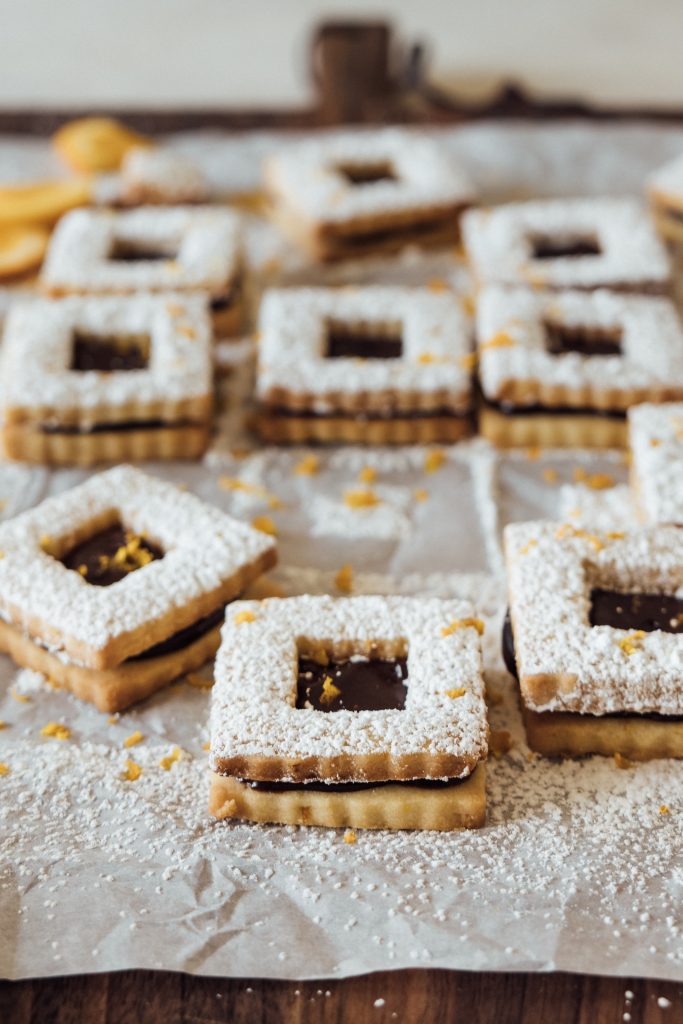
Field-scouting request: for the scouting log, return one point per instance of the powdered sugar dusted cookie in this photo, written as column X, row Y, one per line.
column 337, row 699
column 561, row 368
column 656, row 439
column 353, row 194
column 149, row 249
column 665, row 193
column 108, row 587
column 375, row 364
column 596, row 637
column 107, row 377
column 567, row 243
column 158, row 175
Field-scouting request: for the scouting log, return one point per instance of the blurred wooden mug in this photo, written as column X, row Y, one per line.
column 351, row 68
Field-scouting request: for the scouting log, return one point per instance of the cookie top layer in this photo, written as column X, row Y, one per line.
column 203, row 548
column 310, row 176
column 163, row 175
column 518, row 328
column 666, row 183
column 656, row 439
column 564, row 663
column 198, row 248
column 254, row 718
column 39, row 345
column 614, row 243
column 294, row 367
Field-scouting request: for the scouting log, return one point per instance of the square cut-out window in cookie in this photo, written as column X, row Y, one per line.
column 353, row 193
column 570, row 361
column 148, row 249
column 366, row 688
column 656, row 440
column 107, row 377
column 597, row 618
column 336, row 363
column 119, row 564
column 567, row 243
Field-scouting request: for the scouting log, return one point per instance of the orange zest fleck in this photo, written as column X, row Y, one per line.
column 457, row 691
column 4, row 768
column 434, row 460
column 663, row 809
column 134, row 738
column 420, row 494
column 367, row 475
column 167, row 762
column 632, row 643
column 343, row 580
column 500, row 340
column 330, row 692
column 265, row 525
column 20, row 698
column 56, row 731
column 244, row 616
column 362, row 497
column 309, row 466
column 133, row 771
column 350, row 837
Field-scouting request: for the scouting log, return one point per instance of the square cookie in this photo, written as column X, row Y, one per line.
column 595, row 638
column 567, row 243
column 562, row 368
column 375, row 365
column 118, row 586
column 363, row 712
column 656, row 440
column 158, row 175
column 150, row 249
column 355, row 194
column 107, row 378
column 665, row 194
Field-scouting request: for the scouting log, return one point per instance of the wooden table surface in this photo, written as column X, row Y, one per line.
column 412, row 997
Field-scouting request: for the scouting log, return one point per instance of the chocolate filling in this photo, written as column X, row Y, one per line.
column 359, row 684
column 109, row 353
column 110, row 555
column 648, row 612
column 184, row 637
column 366, row 174
column 509, row 657
column 410, row 232
column 347, row 787
column 118, row 427
column 228, row 298
column 586, row 339
column 509, row 409
column 389, row 414
column 552, row 247
column 347, row 341
column 127, row 251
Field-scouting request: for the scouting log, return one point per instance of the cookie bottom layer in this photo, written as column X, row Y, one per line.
column 668, row 222
column 293, row 429
column 580, row 430
column 31, row 444
column 228, row 322
column 565, row 734
column 113, row 689
column 399, row 806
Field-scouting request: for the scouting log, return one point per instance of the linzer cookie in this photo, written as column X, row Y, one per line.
column 107, row 378
column 595, row 637
column 150, row 249
column 567, row 243
column 364, row 712
column 157, row 175
column 350, row 195
column 562, row 368
column 665, row 194
column 375, row 365
column 656, row 440
column 117, row 587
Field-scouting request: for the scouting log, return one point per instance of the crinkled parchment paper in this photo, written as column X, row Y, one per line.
column 577, row 869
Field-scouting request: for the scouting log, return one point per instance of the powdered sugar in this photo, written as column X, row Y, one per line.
column 157, row 174
column 656, row 438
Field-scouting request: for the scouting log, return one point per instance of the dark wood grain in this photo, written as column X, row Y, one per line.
column 427, row 997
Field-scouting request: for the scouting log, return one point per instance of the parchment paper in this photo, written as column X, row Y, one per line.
column 579, row 866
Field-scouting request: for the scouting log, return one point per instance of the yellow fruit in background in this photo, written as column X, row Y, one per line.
column 93, row 144
column 43, row 201
column 22, row 248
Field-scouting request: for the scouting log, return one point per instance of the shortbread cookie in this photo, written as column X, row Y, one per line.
column 150, row 249
column 107, row 378
column 348, row 195
column 123, row 581
column 157, row 175
column 596, row 638
column 656, row 439
column 325, row 710
column 665, row 193
column 374, row 365
column 562, row 368
column 567, row 243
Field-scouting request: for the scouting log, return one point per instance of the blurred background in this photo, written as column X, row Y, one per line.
column 128, row 54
